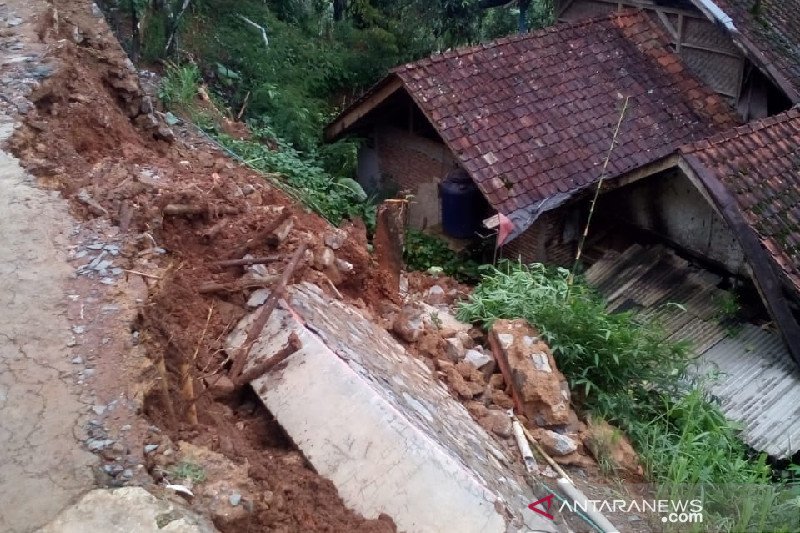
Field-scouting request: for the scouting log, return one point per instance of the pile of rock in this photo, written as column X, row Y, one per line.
column 516, row 371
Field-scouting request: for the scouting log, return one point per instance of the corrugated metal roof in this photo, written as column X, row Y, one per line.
column 756, row 381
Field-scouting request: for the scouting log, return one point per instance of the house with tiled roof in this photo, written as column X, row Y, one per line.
column 746, row 50
column 751, row 175
column 529, row 119
column 697, row 222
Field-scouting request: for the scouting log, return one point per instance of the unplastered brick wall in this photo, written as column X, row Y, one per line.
column 409, row 160
column 546, row 241
column 413, row 163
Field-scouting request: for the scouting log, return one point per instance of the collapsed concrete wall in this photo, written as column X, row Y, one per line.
column 375, row 421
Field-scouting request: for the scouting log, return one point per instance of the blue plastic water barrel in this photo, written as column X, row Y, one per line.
column 461, row 205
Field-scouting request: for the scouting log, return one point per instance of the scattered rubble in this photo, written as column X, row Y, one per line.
column 451, row 481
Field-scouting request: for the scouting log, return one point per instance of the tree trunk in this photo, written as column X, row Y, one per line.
column 339, row 9
column 135, row 37
column 523, row 15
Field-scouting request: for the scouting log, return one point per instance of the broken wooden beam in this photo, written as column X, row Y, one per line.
column 389, row 239
column 178, row 210
column 245, row 261
column 259, row 370
column 236, row 286
column 260, row 237
column 264, row 313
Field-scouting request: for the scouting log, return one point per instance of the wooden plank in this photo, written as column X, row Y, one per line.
column 667, row 24
column 712, row 50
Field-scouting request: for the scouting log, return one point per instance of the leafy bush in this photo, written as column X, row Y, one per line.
column 334, row 197
column 423, row 251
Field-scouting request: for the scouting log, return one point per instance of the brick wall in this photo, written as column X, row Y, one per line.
column 415, row 163
column 545, row 241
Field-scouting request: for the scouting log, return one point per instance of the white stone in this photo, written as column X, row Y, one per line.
column 258, row 297
column 435, row 295
column 541, row 362
column 324, row 259
column 454, row 349
column 477, row 358
column 506, row 340
column 560, row 444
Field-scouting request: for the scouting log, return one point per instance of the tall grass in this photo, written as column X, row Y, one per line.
column 603, row 354
column 625, row 371
column 178, row 87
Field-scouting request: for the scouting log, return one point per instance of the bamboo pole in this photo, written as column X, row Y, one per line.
column 582, row 242
column 187, row 375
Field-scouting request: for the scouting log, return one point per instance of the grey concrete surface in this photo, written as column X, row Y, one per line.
column 42, row 465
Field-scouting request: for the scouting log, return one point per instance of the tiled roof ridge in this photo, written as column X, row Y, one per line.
column 745, row 129
column 510, row 39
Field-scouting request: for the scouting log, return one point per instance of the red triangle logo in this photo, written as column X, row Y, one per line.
column 545, row 504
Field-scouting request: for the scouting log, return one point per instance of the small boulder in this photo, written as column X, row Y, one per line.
column 609, row 445
column 343, row 266
column 454, row 349
column 409, row 324
column 497, row 422
column 281, row 232
column 435, row 295
column 324, row 259
column 466, row 390
column 556, row 444
column 335, row 239
column 501, row 399
column 465, row 339
column 478, row 358
column 470, row 373
column 476, row 409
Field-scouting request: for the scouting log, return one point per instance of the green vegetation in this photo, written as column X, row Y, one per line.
column 624, row 371
column 335, row 196
column 423, row 251
column 188, row 471
column 319, row 54
column 178, row 87
column 603, row 354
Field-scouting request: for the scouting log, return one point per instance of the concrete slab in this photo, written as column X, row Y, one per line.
column 374, row 420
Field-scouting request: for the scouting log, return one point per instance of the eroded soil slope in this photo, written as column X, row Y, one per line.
column 95, row 136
